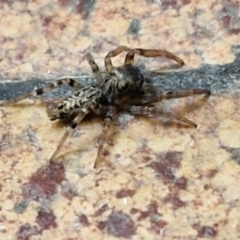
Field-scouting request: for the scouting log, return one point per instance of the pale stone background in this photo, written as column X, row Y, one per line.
column 158, row 181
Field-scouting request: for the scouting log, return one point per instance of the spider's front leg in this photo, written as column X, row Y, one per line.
column 72, row 83
column 68, row 132
column 142, row 52
column 102, row 138
column 151, row 53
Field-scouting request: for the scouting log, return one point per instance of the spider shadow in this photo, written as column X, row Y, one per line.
column 189, row 106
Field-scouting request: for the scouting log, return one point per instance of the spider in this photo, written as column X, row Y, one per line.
column 122, row 88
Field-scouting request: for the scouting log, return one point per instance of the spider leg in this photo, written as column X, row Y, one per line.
column 151, row 98
column 72, row 83
column 102, row 139
column 95, row 68
column 114, row 53
column 151, row 112
column 151, row 53
column 143, row 52
column 68, row 131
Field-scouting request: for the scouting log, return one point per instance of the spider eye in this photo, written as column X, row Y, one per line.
column 106, row 80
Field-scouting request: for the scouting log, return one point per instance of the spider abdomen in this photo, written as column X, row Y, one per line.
column 85, row 100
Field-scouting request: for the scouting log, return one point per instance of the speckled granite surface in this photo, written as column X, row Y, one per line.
column 159, row 181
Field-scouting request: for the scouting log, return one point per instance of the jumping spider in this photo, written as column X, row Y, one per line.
column 121, row 89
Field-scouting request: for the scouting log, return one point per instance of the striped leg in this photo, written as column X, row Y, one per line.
column 95, row 69
column 68, row 132
column 45, row 89
column 102, row 139
column 152, row 112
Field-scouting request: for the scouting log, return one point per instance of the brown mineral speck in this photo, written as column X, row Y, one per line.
column 174, row 200
column 211, row 173
column 120, row 224
column 26, row 231
column 234, row 30
column 101, row 225
column 229, row 16
column 63, row 3
column 19, row 57
column 152, row 209
column 185, row 2
column 206, row 186
column 102, row 210
column 166, row 164
column 46, row 219
column 146, row 153
column 226, row 21
column 157, row 225
column 147, row 158
column 4, row 1
column 134, row 210
column 125, row 193
column 143, row 215
column 117, row 155
column 82, row 218
column 181, row 183
column 68, row 191
column 43, row 183
column 205, row 231
column 105, row 152
column 165, row 4
column 3, row 218
column 46, row 21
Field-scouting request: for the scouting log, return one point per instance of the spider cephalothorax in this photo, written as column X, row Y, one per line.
column 120, row 89
column 121, row 82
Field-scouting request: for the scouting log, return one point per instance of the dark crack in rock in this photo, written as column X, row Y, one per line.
column 217, row 78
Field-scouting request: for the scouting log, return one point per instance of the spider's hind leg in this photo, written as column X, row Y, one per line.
column 155, row 97
column 102, row 138
column 68, row 132
column 67, row 81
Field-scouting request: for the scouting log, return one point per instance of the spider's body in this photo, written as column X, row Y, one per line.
column 121, row 89
column 98, row 98
column 89, row 98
